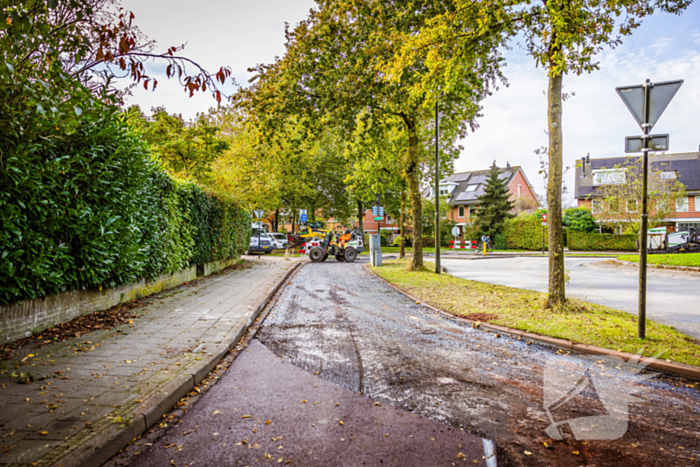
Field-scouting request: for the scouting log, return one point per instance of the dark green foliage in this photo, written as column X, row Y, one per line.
column 524, row 234
column 580, row 241
column 579, row 220
column 92, row 209
column 500, row 242
column 494, row 205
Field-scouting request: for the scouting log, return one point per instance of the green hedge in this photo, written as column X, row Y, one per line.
column 524, row 234
column 580, row 241
column 91, row 208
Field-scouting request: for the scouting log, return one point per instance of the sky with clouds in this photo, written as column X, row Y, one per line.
column 242, row 34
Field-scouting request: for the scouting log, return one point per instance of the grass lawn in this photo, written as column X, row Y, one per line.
column 677, row 259
column 582, row 322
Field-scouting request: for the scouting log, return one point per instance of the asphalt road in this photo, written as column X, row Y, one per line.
column 413, row 388
column 673, row 297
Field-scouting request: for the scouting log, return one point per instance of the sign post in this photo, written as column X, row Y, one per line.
column 544, row 224
column 646, row 102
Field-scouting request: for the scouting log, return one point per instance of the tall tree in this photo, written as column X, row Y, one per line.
column 563, row 36
column 337, row 66
column 186, row 149
column 494, row 205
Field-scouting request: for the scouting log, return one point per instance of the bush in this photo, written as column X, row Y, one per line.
column 580, row 241
column 385, row 235
column 525, row 234
column 500, row 242
column 408, row 243
column 579, row 220
column 428, row 242
column 93, row 209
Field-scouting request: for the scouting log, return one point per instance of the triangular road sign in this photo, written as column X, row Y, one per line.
column 660, row 94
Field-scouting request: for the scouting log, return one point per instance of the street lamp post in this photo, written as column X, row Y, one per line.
column 437, row 191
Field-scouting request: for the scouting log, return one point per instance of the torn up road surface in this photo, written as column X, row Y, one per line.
column 337, row 321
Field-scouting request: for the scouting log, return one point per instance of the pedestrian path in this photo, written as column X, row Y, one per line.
column 107, row 384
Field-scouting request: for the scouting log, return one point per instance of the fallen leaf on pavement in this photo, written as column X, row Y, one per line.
column 216, row 412
column 341, row 423
column 267, row 422
column 246, row 416
column 528, row 453
column 278, row 438
column 43, row 433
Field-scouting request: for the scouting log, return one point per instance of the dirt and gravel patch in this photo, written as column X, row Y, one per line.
column 337, row 321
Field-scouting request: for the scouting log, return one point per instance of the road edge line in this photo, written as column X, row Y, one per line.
column 674, row 368
column 107, row 445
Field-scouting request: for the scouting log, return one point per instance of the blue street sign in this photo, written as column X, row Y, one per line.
column 381, row 211
column 375, row 210
column 303, row 218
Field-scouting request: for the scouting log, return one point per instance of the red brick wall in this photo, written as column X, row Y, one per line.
column 525, row 191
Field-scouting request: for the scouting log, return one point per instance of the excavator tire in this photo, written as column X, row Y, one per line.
column 350, row 254
column 316, row 254
column 340, row 258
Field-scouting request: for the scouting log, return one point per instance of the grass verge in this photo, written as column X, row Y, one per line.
column 677, row 259
column 581, row 322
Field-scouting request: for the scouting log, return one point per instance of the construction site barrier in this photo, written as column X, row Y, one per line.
column 463, row 245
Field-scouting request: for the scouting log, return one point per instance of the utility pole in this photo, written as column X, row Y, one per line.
column 438, row 269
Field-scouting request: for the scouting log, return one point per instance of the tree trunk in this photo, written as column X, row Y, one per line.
column 293, row 221
column 402, row 222
column 277, row 220
column 412, row 177
column 360, row 217
column 555, row 230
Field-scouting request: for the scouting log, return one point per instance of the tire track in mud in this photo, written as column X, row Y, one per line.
column 349, row 328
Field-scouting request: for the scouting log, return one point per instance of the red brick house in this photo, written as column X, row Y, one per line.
column 465, row 188
column 684, row 167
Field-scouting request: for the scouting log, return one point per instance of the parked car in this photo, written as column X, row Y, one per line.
column 265, row 245
column 279, row 240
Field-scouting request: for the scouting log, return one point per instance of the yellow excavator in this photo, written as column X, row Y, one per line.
column 344, row 247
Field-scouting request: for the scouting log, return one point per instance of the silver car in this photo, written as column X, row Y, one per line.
column 279, row 240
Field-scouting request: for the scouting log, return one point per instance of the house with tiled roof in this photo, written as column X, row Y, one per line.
column 593, row 174
column 464, row 189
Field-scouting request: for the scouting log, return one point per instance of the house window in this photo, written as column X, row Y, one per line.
column 632, row 205
column 443, row 191
column 609, row 177
column 460, row 212
column 471, row 187
column 668, row 175
column 697, row 203
column 682, row 205
column 520, row 187
column 597, row 205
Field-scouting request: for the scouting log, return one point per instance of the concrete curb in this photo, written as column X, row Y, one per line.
column 105, row 444
column 677, row 369
column 656, row 266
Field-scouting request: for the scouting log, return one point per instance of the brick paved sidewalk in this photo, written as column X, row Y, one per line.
column 113, row 384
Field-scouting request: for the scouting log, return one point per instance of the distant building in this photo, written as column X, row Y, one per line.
column 465, row 188
column 684, row 167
